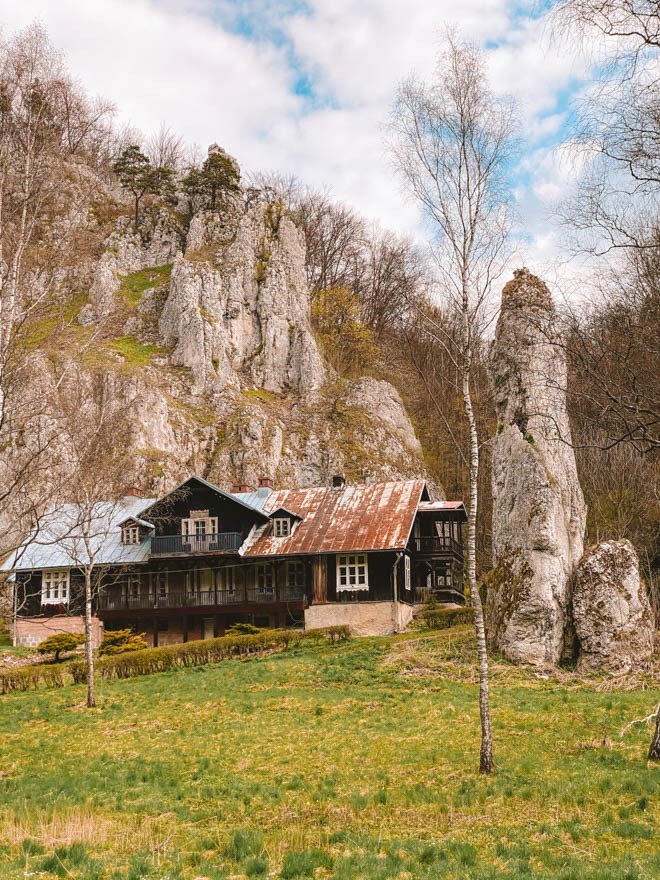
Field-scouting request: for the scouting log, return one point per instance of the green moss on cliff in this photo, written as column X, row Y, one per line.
column 134, row 352
column 134, row 285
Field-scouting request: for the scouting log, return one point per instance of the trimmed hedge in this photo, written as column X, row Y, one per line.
column 182, row 656
column 443, row 618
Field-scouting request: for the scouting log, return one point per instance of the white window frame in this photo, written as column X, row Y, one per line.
column 55, row 586
column 407, row 579
column 189, row 527
column 281, row 527
column 352, row 572
column 130, row 535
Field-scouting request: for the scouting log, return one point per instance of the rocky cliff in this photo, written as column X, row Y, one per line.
column 200, row 325
column 539, row 513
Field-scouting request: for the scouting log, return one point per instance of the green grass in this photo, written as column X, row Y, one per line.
column 134, row 352
column 350, row 761
column 134, row 285
column 53, row 322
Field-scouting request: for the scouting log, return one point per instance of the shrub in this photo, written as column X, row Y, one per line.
column 443, row 618
column 150, row 660
column 122, row 640
column 242, row 629
column 59, row 642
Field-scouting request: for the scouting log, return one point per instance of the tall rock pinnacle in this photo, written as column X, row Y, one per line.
column 539, row 513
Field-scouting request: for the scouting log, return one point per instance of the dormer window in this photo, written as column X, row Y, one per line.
column 281, row 527
column 130, row 535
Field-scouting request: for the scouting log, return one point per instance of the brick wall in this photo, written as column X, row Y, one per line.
column 31, row 631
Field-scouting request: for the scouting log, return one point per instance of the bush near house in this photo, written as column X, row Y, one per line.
column 150, row 660
column 59, row 643
column 436, row 617
column 120, row 641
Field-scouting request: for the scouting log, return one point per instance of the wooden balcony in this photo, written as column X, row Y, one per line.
column 438, row 545
column 193, row 545
column 201, row 598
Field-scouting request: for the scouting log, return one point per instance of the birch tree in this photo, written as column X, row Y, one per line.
column 451, row 140
column 48, row 126
column 93, row 419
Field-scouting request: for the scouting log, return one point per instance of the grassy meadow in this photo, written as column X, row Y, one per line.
column 346, row 761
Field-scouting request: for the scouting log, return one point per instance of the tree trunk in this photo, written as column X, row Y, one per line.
column 486, row 762
column 136, row 215
column 654, row 748
column 89, row 648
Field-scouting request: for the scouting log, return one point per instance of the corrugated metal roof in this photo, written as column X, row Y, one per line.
column 441, row 505
column 256, row 498
column 57, row 542
column 369, row 516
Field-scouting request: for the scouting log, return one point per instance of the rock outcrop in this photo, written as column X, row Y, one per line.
column 539, row 513
column 611, row 612
column 198, row 323
column 238, row 311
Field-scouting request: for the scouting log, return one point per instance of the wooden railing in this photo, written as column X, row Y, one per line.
column 201, row 598
column 174, row 545
column 438, row 544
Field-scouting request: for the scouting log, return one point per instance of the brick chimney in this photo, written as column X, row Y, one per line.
column 239, row 487
column 133, row 492
column 266, row 482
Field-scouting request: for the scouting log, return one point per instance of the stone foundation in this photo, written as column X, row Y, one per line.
column 363, row 618
column 31, row 631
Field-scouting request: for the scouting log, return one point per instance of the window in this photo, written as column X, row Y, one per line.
column 227, row 579
column 406, row 573
column 264, row 579
column 295, row 575
column 55, row 586
column 130, row 535
column 352, row 572
column 134, row 586
column 159, row 582
column 200, row 528
column 281, row 527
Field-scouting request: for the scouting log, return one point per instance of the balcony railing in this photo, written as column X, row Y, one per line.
column 201, row 598
column 175, row 545
column 438, row 544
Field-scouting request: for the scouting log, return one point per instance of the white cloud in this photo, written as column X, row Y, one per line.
column 219, row 70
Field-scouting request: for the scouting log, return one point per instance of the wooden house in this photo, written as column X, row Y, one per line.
column 192, row 563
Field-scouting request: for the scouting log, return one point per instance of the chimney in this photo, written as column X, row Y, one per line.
column 338, row 481
column 266, row 483
column 134, row 492
column 239, row 487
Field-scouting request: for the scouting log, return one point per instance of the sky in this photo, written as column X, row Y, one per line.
column 305, row 87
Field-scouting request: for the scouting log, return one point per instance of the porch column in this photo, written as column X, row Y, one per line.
column 319, row 581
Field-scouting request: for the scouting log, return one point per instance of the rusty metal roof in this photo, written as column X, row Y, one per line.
column 439, row 506
column 348, row 519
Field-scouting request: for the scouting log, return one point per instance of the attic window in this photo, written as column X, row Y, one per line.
column 55, row 586
column 281, row 527
column 130, row 535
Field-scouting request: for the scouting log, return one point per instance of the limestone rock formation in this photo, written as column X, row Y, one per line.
column 611, row 612
column 199, row 325
column 238, row 310
column 539, row 513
